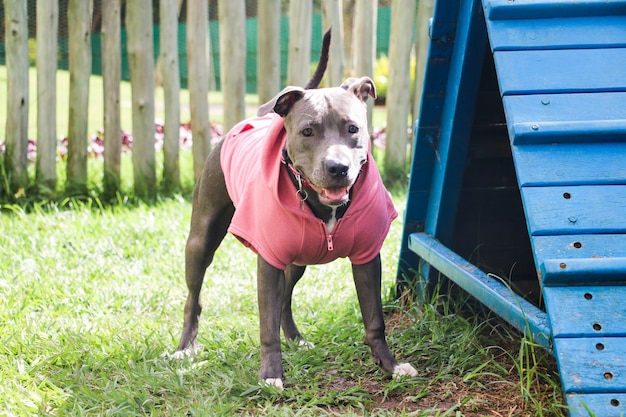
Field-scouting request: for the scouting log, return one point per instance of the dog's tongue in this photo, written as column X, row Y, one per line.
column 335, row 194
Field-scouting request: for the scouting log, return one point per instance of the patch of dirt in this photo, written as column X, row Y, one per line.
column 487, row 396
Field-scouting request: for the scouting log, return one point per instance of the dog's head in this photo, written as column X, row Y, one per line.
column 327, row 136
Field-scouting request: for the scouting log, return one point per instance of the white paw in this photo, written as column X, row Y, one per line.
column 188, row 353
column 404, row 369
column 305, row 345
column 277, row 382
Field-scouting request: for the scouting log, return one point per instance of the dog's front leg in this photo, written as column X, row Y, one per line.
column 368, row 288
column 270, row 288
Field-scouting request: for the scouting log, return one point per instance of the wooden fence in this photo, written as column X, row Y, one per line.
column 14, row 162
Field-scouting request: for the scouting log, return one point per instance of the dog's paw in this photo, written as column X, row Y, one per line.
column 404, row 369
column 276, row 382
column 188, row 353
column 304, row 345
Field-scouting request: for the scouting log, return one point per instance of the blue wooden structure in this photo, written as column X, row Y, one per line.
column 519, row 171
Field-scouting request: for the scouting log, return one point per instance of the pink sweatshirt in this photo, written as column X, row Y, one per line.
column 269, row 217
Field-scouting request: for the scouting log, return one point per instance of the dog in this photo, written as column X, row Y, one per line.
column 298, row 185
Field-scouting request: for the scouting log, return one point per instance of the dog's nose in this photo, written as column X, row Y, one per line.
column 336, row 169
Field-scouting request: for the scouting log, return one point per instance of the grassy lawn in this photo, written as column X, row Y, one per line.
column 91, row 301
column 91, row 298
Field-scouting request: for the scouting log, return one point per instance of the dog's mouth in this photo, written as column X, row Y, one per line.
column 333, row 196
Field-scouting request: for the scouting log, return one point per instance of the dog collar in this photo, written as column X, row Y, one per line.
column 302, row 194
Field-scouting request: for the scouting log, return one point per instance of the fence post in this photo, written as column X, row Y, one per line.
column 141, row 66
column 364, row 44
column 168, row 12
column 399, row 88
column 111, row 78
column 425, row 9
column 232, row 21
column 47, row 25
column 333, row 18
column 198, row 78
column 79, row 26
column 299, row 60
column 268, row 50
column 16, row 158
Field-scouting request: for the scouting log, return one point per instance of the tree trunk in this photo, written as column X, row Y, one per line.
column 111, row 77
column 168, row 57
column 47, row 24
column 198, row 79
column 333, row 18
column 79, row 26
column 364, row 44
column 232, row 18
column 300, row 24
column 141, row 65
column 268, row 57
column 399, row 87
column 16, row 158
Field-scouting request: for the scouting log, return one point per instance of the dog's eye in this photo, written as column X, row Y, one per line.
column 353, row 129
column 307, row 132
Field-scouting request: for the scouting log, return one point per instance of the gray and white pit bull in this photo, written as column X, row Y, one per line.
column 325, row 172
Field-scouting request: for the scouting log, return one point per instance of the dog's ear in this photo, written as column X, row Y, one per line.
column 361, row 87
column 282, row 102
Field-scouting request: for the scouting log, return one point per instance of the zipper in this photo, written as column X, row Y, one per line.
column 329, row 241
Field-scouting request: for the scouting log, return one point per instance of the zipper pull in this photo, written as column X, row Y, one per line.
column 329, row 241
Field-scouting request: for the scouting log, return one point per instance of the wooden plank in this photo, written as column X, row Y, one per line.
column 587, row 311
column 583, row 271
column 198, row 85
column 566, row 118
column 111, row 77
column 456, row 122
column 141, row 63
column 592, row 365
column 558, row 33
column 47, row 28
column 575, row 209
column 332, row 17
column 579, row 247
column 563, row 71
column 523, row 315
column 570, row 164
column 399, row 86
column 168, row 57
column 605, row 405
column 268, row 47
column 529, row 9
column 79, row 23
column 232, row 23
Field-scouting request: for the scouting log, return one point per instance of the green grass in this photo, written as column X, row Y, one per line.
column 91, row 298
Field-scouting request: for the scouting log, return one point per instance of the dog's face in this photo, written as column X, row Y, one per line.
column 327, row 137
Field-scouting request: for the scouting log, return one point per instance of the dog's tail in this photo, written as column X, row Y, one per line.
column 314, row 82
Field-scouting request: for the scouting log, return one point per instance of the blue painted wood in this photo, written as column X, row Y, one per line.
column 558, row 33
column 566, row 118
column 592, row 365
column 579, row 246
column 589, row 311
column 590, row 271
column 603, row 405
column 456, row 120
column 442, row 56
column 575, row 210
column 529, row 9
column 523, row 315
column 562, row 71
column 571, row 164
